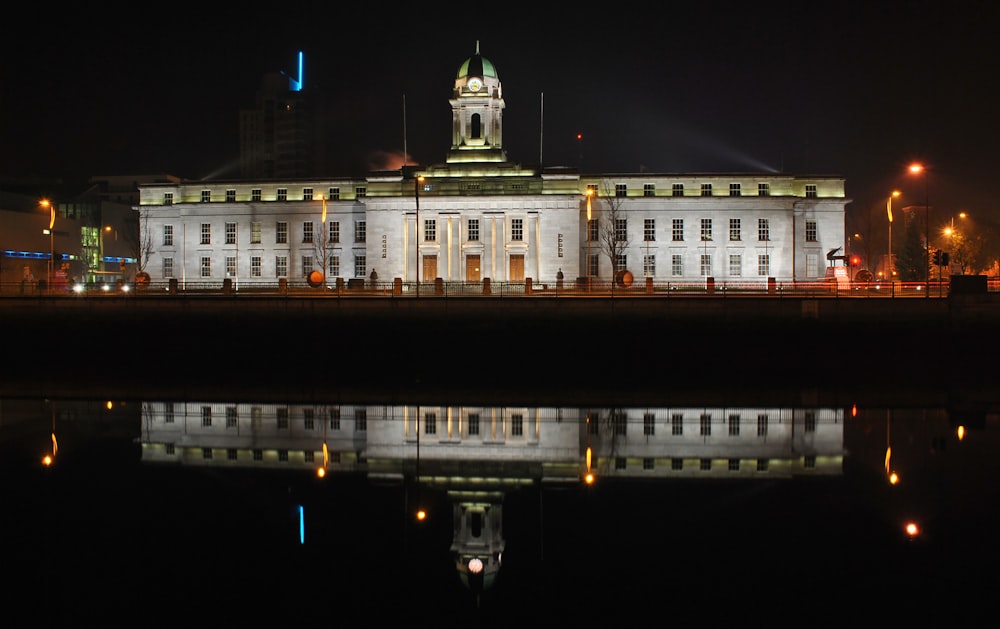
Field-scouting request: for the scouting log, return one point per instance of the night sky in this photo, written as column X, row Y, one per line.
column 858, row 89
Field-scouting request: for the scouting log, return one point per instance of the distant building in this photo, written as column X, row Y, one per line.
column 282, row 137
column 479, row 216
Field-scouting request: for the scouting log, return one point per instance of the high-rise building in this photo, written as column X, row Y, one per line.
column 281, row 137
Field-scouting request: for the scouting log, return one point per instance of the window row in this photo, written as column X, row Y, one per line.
column 280, row 269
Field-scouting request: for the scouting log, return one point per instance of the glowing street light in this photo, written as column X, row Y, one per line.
column 895, row 193
column 920, row 169
column 417, row 182
column 590, row 194
column 49, row 205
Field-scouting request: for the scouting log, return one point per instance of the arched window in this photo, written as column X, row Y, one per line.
column 477, row 127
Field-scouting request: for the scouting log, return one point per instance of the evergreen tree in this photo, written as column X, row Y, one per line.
column 911, row 261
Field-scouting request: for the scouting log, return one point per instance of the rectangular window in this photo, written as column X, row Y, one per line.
column 230, row 196
column 255, row 266
column 255, row 194
column 621, row 262
column 735, row 229
column 592, row 230
column 621, row 190
column 762, row 425
column 809, row 461
column 811, row 231
column 206, row 453
column 677, row 190
column 334, row 231
column 763, row 189
column 812, row 264
column 706, row 264
column 649, row 190
column 206, row 196
column 360, row 192
column 334, row 419
column 734, row 465
column 361, row 419
column 677, row 424
column 735, row 190
column 676, row 265
column 334, row 194
column 706, row 189
column 232, row 417
column 517, row 425
column 735, row 264
column 762, row 464
column 763, row 229
column 168, row 235
column 517, row 229
column 430, row 230
column 281, row 233
column 594, row 264
column 255, row 233
column 473, row 229
column 705, row 425
column 281, row 415
column 621, row 229
column 168, row 412
column 473, row 423
column 307, row 194
column 307, row 232
column 168, row 267
column 706, row 229
column 360, row 231
column 649, row 265
column 308, row 418
column 648, row 463
column 206, row 416
column 307, row 265
column 676, row 464
column 168, row 198
column 282, row 194
column 206, row 233
column 649, row 424
column 360, row 266
column 677, row 230
column 334, row 266
column 811, row 190
column 281, row 266
column 430, row 423
column 764, row 265
column 734, row 425
column 206, row 266
column 230, row 233
column 230, row 266
column 649, row 229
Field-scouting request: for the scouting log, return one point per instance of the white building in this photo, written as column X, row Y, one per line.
column 483, row 217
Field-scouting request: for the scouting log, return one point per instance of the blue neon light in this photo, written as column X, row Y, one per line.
column 302, row 525
column 295, row 84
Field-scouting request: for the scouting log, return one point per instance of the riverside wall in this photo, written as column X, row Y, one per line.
column 487, row 348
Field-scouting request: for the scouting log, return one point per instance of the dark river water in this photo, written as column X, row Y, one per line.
column 771, row 510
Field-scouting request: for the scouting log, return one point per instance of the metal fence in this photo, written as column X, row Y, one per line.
column 362, row 288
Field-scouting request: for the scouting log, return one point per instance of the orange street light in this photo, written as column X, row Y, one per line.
column 51, row 207
column 895, row 193
column 590, row 194
column 918, row 169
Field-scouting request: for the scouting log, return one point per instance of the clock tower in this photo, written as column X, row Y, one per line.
column 477, row 113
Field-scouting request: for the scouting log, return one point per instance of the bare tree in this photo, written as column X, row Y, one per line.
column 140, row 239
column 612, row 231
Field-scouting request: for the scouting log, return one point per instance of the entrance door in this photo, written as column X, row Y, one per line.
column 430, row 268
column 472, row 268
column 517, row 268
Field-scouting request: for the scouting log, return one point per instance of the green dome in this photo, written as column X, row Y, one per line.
column 477, row 65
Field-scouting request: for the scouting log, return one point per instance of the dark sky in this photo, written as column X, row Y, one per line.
column 858, row 89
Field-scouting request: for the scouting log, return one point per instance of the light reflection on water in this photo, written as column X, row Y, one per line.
column 216, row 508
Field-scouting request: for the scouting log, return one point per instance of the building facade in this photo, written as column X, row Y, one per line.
column 479, row 216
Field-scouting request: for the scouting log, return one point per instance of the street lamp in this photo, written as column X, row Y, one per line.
column 107, row 229
column 417, row 181
column 895, row 193
column 45, row 203
column 920, row 169
column 590, row 194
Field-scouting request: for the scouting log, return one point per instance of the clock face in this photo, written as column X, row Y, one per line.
column 475, row 85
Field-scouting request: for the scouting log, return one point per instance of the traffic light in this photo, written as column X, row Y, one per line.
column 945, row 258
column 855, row 260
column 937, row 258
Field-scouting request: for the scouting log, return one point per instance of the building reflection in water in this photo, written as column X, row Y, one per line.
column 477, row 455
